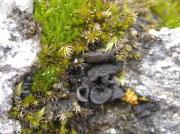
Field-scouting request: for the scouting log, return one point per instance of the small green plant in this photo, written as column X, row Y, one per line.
column 64, row 130
column 168, row 12
column 104, row 22
column 18, row 88
column 29, row 100
column 112, row 43
column 35, row 118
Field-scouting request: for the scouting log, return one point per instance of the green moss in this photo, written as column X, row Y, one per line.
column 44, row 78
column 105, row 22
column 34, row 118
column 168, row 12
column 29, row 100
column 69, row 27
column 18, row 89
column 60, row 27
column 57, row 21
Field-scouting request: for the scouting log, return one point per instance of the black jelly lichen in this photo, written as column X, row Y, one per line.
column 97, row 83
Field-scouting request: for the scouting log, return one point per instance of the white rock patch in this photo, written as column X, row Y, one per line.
column 16, row 58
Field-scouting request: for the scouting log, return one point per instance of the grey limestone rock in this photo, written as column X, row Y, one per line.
column 158, row 75
column 16, row 57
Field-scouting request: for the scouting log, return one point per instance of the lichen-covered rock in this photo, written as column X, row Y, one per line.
column 158, row 75
column 16, row 57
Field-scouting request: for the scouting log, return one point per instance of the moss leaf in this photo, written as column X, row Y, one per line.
column 19, row 89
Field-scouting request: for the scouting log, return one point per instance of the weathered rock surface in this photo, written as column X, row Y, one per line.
column 158, row 75
column 16, row 57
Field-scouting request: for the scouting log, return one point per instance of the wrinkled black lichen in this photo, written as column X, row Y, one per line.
column 95, row 79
